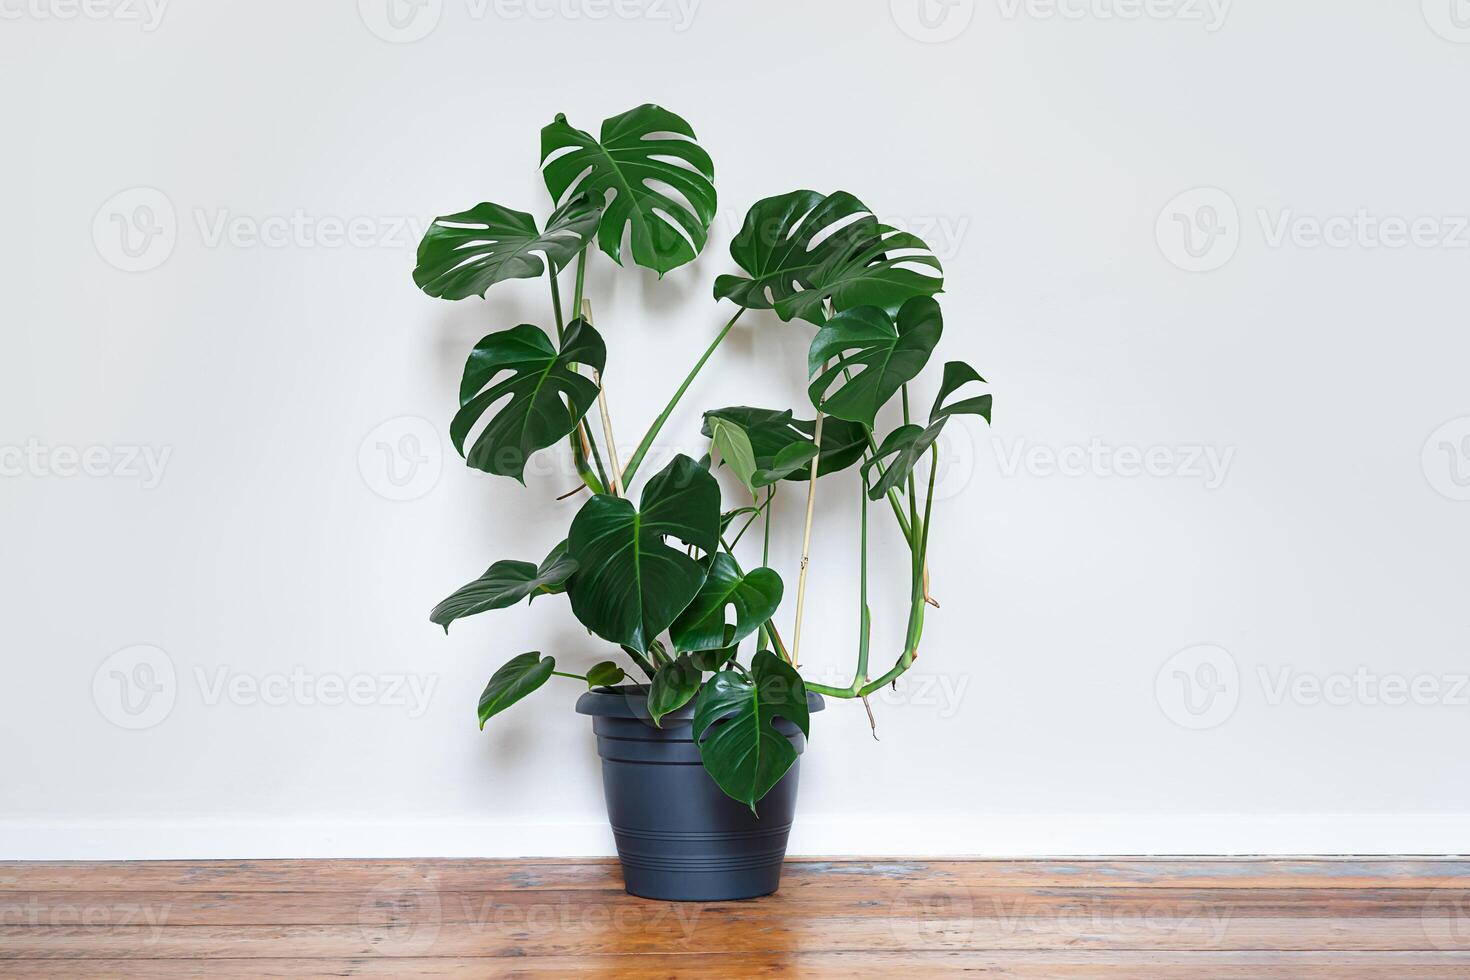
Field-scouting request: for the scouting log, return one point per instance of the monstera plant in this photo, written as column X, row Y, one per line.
column 649, row 563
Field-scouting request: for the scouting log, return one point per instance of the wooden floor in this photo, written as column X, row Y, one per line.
column 1194, row 919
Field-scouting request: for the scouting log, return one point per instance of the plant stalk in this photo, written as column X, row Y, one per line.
column 806, row 540
column 607, row 429
column 647, row 443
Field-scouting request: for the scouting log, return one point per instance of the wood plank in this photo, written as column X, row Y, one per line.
column 714, row 931
column 859, row 966
column 919, row 899
column 477, row 875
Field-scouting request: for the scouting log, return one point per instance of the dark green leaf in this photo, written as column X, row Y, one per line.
column 871, row 357
column 505, row 584
column 712, row 660
column 734, row 446
column 605, row 674
column 773, row 435
column 515, row 680
column 629, row 584
column 672, row 687
column 544, row 395
column 957, row 374
column 668, row 203
column 734, row 726
column 754, row 597
column 900, row 453
column 861, row 263
column 465, row 254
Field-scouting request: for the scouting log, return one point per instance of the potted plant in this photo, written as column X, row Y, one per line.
column 700, row 753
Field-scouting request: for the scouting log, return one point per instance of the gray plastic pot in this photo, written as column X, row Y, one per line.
column 679, row 837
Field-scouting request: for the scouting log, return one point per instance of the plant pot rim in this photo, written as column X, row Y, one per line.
column 631, row 701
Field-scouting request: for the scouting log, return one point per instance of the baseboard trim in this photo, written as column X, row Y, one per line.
column 908, row 835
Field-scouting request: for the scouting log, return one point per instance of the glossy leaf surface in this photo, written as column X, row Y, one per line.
column 734, row 726
column 519, row 677
column 542, row 394
column 753, row 598
column 773, row 435
column 674, row 685
column 801, row 249
column 862, row 357
column 654, row 181
column 465, row 254
column 605, row 674
column 506, row 583
column 631, row 584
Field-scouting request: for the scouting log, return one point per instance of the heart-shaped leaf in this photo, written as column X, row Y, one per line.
column 630, row 584
column 754, row 597
column 650, row 176
column 605, row 674
column 505, row 584
column 515, row 680
column 803, row 248
column 734, row 726
column 871, row 357
column 546, row 396
column 735, row 449
column 674, row 684
column 783, row 446
column 465, row 254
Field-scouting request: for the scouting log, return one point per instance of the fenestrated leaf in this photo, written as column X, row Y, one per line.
column 506, row 583
column 673, row 685
column 734, row 446
column 465, row 254
column 712, row 660
column 630, row 584
column 519, row 677
column 605, row 674
column 735, row 731
column 871, row 357
column 794, row 260
column 754, row 597
column 899, row 454
column 658, row 185
column 957, row 374
column 544, row 395
column 773, row 433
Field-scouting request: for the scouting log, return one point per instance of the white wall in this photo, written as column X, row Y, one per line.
column 1041, row 155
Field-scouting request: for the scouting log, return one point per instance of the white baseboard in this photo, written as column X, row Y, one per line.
column 918, row 835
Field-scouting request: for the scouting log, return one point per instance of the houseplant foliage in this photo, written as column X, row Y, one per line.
column 648, row 562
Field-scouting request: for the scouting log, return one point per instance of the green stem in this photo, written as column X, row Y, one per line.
column 642, row 662
column 575, row 677
column 864, row 616
column 556, row 306
column 581, row 278
column 753, row 518
column 647, row 443
column 579, row 432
